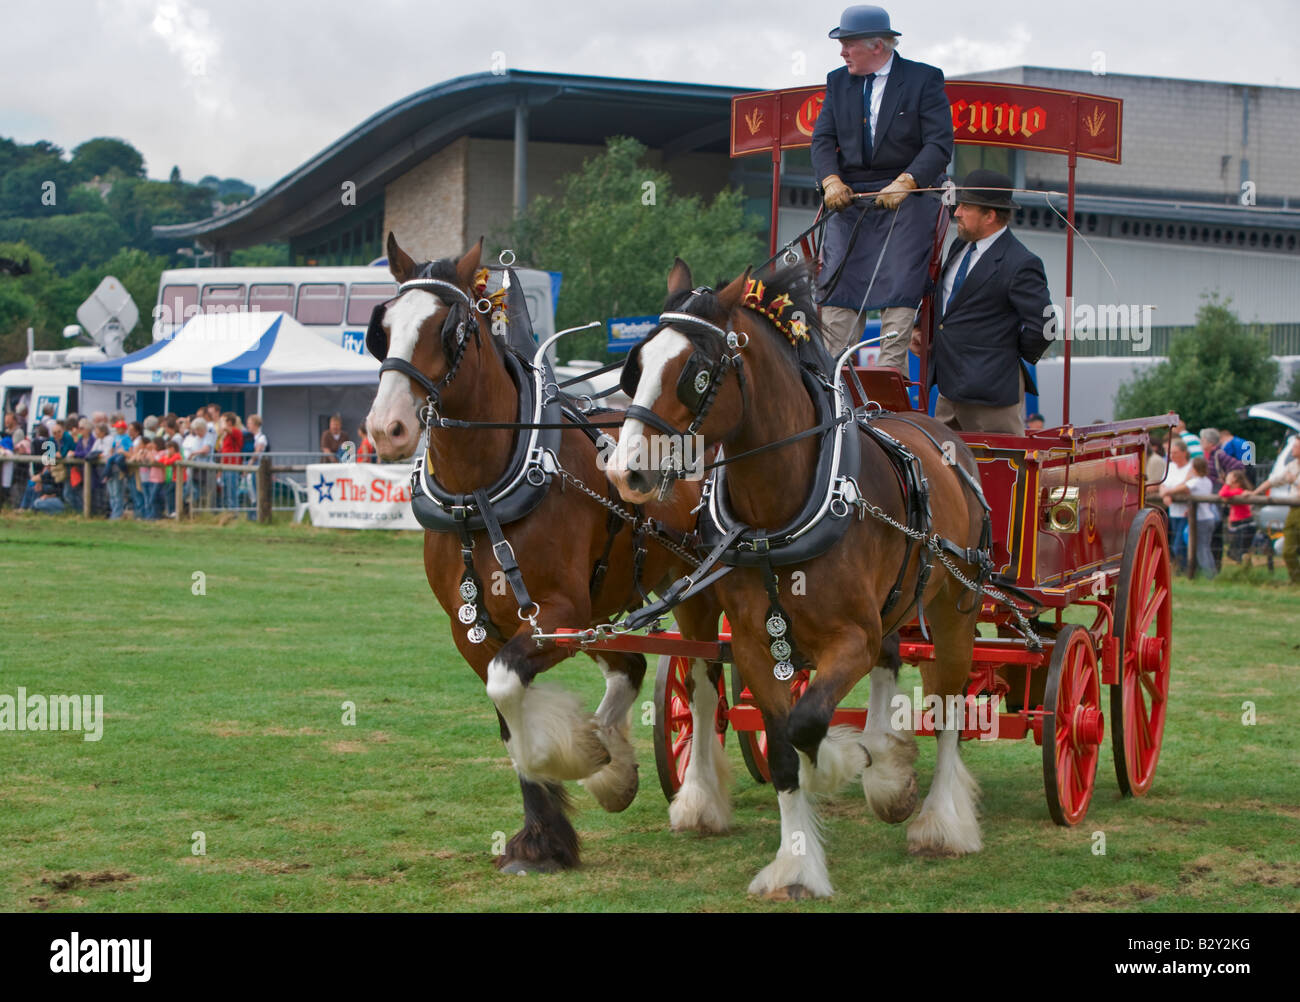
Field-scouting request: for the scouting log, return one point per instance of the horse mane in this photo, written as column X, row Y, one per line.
column 443, row 269
column 797, row 281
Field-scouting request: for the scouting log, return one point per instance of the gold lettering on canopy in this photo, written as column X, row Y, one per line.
column 1004, row 119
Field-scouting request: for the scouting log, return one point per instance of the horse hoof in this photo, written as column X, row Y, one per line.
column 523, row 867
column 791, row 892
column 898, row 811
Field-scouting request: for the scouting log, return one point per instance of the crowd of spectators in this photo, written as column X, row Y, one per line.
column 1212, row 464
column 134, row 463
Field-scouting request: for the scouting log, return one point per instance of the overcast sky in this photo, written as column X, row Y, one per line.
column 252, row 88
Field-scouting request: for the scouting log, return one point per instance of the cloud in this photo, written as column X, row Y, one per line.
column 970, row 55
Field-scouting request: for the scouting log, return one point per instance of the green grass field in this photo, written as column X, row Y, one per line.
column 224, row 715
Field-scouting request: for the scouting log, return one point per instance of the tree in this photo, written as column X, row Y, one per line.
column 20, row 301
column 99, row 157
column 175, row 176
column 69, row 241
column 138, row 206
column 40, row 185
column 613, row 231
column 261, row 256
column 1213, row 369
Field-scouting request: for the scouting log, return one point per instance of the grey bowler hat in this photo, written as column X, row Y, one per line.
column 863, row 21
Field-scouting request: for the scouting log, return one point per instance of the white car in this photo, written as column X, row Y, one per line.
column 1286, row 412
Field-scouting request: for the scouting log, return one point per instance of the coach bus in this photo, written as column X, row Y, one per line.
column 333, row 301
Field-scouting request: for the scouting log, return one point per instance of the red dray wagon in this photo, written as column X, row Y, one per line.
column 1070, row 525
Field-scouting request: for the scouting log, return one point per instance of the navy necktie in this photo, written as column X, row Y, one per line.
column 961, row 277
column 866, row 119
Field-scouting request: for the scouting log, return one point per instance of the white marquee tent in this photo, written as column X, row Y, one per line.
column 309, row 376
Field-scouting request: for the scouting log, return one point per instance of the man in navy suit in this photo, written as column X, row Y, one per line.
column 992, row 314
column 884, row 127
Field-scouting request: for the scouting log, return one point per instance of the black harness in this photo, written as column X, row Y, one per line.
column 823, row 519
column 528, row 475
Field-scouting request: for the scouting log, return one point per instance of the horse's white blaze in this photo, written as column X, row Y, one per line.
column 655, row 355
column 801, row 858
column 840, row 759
column 615, row 785
column 948, row 822
column 550, row 737
column 395, row 400
column 889, row 781
column 704, row 801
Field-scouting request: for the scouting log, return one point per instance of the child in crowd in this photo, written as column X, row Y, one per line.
column 1206, row 515
column 169, row 457
column 152, row 478
column 365, row 447
column 1241, row 517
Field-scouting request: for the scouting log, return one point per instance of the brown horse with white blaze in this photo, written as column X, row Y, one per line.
column 759, row 398
column 557, row 545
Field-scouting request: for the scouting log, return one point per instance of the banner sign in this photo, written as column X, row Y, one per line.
column 625, row 332
column 1039, row 119
column 360, row 496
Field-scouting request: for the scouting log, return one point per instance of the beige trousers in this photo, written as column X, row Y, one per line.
column 840, row 331
column 979, row 417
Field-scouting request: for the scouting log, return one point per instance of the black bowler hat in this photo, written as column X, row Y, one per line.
column 863, row 21
column 977, row 187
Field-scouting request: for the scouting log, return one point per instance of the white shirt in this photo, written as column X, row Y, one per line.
column 951, row 274
column 877, row 94
column 1176, row 477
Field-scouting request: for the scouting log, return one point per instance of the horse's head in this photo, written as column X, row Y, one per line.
column 421, row 337
column 686, row 385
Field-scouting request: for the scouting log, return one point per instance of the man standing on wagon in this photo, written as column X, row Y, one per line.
column 885, row 126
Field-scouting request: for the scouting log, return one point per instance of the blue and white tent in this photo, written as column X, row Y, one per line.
column 237, row 349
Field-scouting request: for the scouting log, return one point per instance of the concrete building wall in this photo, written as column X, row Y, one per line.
column 426, row 206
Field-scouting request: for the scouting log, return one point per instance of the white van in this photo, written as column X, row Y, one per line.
column 37, row 387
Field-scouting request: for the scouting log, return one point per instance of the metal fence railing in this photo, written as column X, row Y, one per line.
column 252, row 485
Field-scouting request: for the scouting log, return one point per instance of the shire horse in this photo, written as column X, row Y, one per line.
column 549, row 737
column 758, row 397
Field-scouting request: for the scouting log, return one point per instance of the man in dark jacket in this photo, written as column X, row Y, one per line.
column 992, row 314
column 885, row 126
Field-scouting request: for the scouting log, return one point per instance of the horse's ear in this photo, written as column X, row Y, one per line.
column 399, row 262
column 467, row 265
column 679, row 278
column 730, row 296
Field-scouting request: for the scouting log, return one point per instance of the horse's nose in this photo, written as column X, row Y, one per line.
column 398, row 434
column 640, row 481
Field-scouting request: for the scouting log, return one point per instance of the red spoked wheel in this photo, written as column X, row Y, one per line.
column 1073, row 729
column 1144, row 627
column 674, row 729
column 753, row 744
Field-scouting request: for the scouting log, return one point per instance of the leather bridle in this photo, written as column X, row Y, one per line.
column 455, row 328
column 700, row 381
